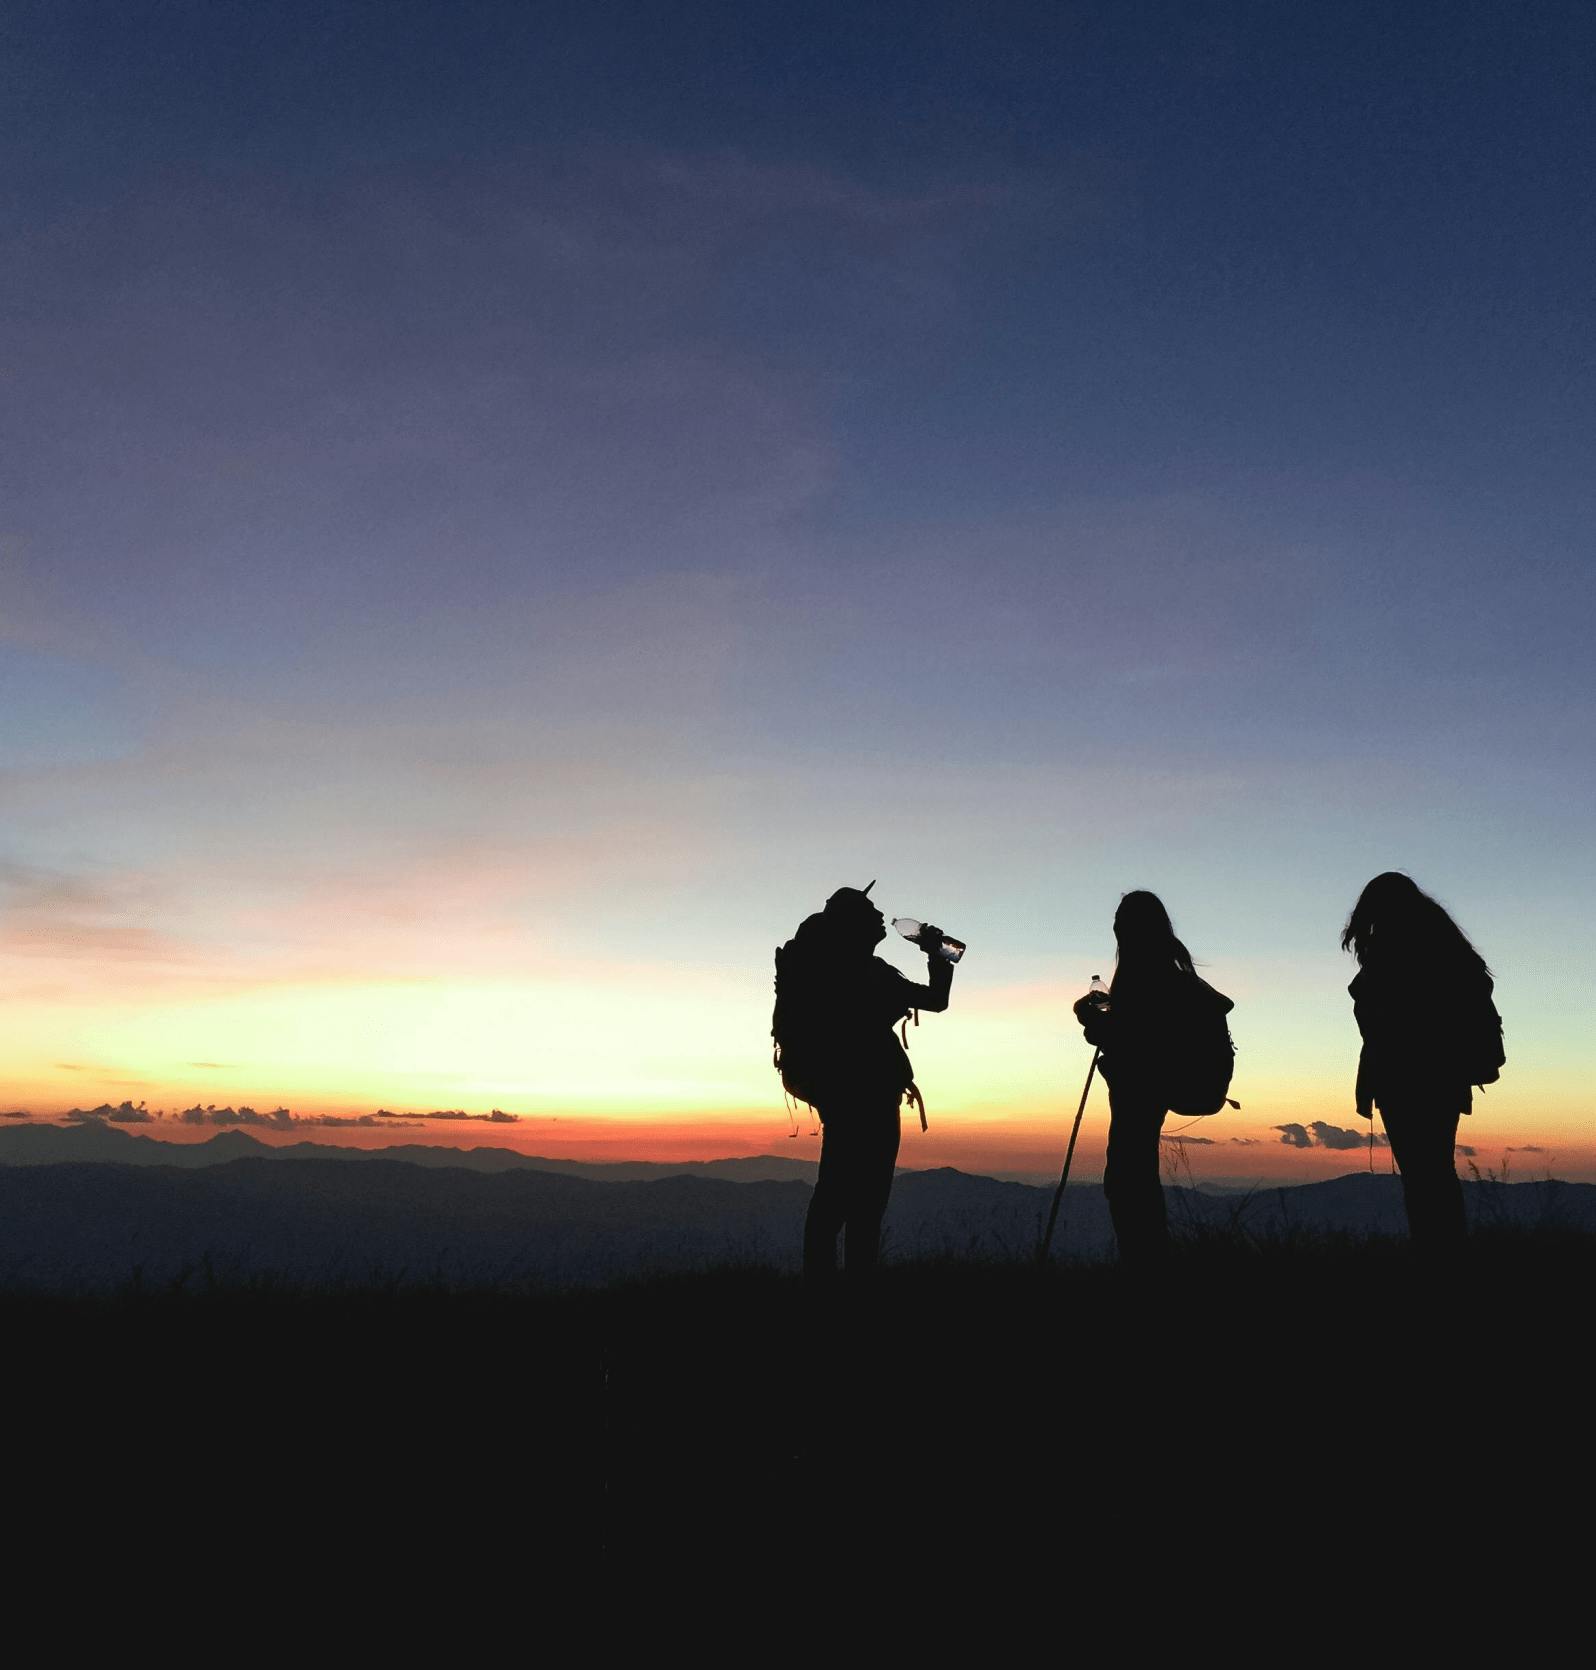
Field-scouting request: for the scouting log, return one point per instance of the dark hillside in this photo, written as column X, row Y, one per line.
column 1304, row 1407
column 317, row 1219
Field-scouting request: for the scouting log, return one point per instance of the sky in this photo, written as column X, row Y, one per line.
column 503, row 508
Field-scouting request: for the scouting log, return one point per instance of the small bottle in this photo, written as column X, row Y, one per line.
column 1098, row 995
column 911, row 930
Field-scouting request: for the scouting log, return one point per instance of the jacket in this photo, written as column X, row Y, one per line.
column 1429, row 1035
column 835, row 1018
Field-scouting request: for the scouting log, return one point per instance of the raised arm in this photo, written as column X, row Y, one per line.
column 933, row 996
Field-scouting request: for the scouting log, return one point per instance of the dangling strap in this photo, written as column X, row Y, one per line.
column 903, row 1031
column 916, row 1100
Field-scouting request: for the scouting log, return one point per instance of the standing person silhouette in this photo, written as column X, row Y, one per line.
column 1422, row 998
column 837, row 1005
column 1139, row 1030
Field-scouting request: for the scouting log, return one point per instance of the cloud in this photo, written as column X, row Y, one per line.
column 58, row 913
column 124, row 1113
column 1201, row 1142
column 455, row 1115
column 214, row 1066
column 1525, row 1148
column 548, row 310
column 1248, row 1142
column 1322, row 1135
column 1337, row 1136
column 1467, row 1152
column 15, row 1113
column 356, row 1121
column 281, row 1119
column 277, row 1119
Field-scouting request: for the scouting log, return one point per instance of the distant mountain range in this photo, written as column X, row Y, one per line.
column 92, row 1207
column 93, row 1139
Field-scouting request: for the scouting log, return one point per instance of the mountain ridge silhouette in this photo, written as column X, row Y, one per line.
column 95, row 1140
column 96, row 1225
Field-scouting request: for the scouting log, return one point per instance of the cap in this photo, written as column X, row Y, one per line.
column 851, row 898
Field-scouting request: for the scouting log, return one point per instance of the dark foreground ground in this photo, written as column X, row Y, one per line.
column 1310, row 1408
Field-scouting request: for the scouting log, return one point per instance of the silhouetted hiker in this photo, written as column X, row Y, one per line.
column 1422, row 997
column 837, row 1005
column 1154, row 1031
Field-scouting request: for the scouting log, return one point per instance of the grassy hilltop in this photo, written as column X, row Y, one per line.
column 1324, row 1387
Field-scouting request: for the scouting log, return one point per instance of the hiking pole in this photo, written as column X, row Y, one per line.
column 1069, row 1154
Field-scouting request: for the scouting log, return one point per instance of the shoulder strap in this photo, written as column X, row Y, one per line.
column 916, row 1100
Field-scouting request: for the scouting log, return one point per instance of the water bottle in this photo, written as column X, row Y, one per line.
column 950, row 948
column 1098, row 995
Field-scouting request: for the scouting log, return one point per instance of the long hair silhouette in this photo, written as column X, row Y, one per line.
column 1146, row 937
column 1395, row 918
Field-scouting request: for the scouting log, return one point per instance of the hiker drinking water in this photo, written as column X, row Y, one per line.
column 837, row 1005
column 1162, row 1044
column 1422, row 998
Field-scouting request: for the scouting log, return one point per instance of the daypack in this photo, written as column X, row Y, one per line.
column 1483, row 1046
column 1417, row 1030
column 1201, row 1056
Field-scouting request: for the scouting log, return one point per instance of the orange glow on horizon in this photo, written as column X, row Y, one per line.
column 1031, row 1147
column 635, row 1062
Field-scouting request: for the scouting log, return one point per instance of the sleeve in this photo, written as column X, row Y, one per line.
column 1097, row 1026
column 1363, row 1091
column 933, row 996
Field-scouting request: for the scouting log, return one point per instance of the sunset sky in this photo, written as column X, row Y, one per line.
column 504, row 507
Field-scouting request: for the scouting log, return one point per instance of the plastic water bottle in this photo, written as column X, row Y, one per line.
column 950, row 948
column 1098, row 995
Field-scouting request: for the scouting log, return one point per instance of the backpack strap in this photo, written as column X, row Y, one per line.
column 916, row 1100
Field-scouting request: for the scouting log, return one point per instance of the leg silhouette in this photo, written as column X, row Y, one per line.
column 1132, row 1179
column 858, row 1154
column 1423, row 1139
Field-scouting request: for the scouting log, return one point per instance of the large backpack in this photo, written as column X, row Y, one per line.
column 816, row 1056
column 797, row 1030
column 1201, row 1055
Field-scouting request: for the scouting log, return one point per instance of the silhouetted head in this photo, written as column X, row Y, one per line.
column 1395, row 917
column 1146, row 936
column 851, row 917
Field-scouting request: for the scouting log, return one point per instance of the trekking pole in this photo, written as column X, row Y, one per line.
column 1069, row 1154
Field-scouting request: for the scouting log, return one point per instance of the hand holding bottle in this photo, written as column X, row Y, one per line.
column 931, row 940
column 1094, row 1003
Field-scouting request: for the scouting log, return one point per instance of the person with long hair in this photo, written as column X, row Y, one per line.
column 1422, row 998
column 1138, row 1031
